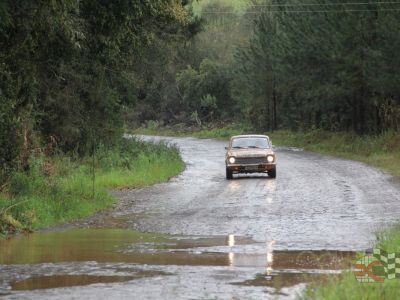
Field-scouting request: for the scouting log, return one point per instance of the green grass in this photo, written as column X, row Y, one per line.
column 61, row 188
column 389, row 240
column 205, row 132
column 347, row 287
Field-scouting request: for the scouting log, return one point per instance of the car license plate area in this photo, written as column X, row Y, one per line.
column 250, row 168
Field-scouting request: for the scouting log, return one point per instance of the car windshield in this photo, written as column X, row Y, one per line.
column 250, row 142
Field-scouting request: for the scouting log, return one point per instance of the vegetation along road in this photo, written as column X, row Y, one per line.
column 75, row 75
column 213, row 238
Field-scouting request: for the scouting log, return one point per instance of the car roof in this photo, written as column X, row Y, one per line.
column 249, row 136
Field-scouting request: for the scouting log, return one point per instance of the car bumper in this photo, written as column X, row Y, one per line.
column 251, row 168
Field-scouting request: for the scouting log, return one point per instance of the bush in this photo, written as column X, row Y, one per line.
column 60, row 188
column 9, row 143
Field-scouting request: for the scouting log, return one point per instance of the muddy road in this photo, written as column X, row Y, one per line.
column 317, row 202
column 208, row 238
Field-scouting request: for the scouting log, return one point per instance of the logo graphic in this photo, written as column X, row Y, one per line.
column 376, row 267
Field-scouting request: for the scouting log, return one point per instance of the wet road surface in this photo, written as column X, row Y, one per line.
column 317, row 202
column 249, row 238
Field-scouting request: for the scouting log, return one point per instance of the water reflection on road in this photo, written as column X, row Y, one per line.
column 49, row 264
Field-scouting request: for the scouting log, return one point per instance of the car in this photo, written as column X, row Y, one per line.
column 250, row 154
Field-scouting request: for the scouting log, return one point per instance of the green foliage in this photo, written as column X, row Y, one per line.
column 9, row 142
column 330, row 70
column 205, row 91
column 389, row 240
column 67, row 68
column 348, row 288
column 60, row 188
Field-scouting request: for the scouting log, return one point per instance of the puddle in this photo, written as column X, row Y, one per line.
column 71, row 245
column 36, row 261
column 118, row 245
column 312, row 260
column 58, row 281
column 285, row 279
column 112, row 245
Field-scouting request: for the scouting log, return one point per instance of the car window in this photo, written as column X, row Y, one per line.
column 262, row 143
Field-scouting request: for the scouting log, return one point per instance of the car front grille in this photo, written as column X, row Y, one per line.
column 250, row 160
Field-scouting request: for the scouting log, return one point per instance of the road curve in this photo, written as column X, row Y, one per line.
column 316, row 201
column 230, row 236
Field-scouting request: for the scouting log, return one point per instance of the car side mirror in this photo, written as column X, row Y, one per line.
column 226, row 148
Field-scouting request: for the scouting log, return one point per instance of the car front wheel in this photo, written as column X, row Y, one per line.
column 229, row 173
column 272, row 173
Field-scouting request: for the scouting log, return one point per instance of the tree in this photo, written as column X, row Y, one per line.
column 65, row 66
column 318, row 66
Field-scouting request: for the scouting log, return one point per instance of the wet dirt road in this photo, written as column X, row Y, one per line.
column 249, row 238
column 316, row 202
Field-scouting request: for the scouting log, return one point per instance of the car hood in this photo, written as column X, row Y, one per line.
column 249, row 152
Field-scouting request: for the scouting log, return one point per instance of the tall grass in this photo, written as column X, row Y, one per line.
column 347, row 287
column 62, row 188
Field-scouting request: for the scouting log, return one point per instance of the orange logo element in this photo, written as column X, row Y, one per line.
column 364, row 270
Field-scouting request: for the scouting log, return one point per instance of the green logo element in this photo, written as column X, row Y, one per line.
column 376, row 267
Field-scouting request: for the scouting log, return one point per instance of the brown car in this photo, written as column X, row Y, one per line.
column 250, row 154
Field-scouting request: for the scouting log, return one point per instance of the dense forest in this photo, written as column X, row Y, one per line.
column 75, row 73
column 70, row 68
column 329, row 65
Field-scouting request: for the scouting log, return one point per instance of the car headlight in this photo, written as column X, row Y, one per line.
column 231, row 160
column 270, row 158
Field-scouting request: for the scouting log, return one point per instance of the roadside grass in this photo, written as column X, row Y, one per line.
column 347, row 287
column 60, row 188
column 389, row 240
column 205, row 132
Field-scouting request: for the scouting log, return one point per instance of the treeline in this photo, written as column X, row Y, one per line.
column 288, row 65
column 69, row 69
column 326, row 65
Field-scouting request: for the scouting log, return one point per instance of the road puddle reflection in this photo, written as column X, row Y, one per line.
column 281, row 280
column 234, row 185
column 270, row 256
column 58, row 281
column 270, row 185
column 114, row 247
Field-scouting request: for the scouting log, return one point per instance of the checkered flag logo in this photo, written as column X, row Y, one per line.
column 390, row 262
